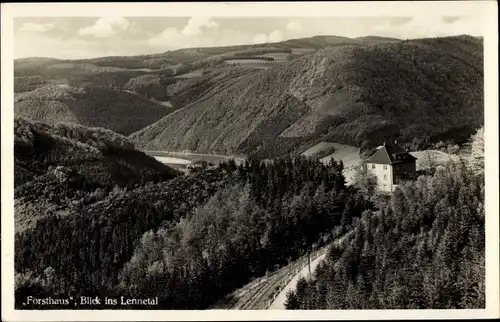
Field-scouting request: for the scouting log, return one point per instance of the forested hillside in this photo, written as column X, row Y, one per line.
column 425, row 248
column 126, row 94
column 116, row 110
column 190, row 240
column 355, row 91
column 357, row 94
column 62, row 167
column 34, row 65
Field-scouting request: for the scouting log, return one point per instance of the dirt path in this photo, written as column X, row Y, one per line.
column 279, row 301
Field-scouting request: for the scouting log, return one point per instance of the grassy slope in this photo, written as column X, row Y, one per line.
column 354, row 94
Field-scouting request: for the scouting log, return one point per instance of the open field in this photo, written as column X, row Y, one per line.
column 252, row 61
column 302, row 51
column 347, row 153
column 438, row 157
column 318, row 148
column 276, row 56
column 191, row 74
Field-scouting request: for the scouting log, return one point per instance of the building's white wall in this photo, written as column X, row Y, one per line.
column 379, row 172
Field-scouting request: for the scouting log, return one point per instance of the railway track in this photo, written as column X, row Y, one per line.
column 261, row 296
column 262, row 292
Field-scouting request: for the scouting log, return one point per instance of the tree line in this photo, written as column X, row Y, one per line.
column 423, row 249
column 191, row 240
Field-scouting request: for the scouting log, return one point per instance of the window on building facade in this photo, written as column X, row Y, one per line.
column 385, row 176
column 385, row 167
column 373, row 166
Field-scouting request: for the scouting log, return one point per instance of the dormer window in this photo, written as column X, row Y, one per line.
column 400, row 156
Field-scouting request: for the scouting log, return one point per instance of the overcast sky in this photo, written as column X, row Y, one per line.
column 86, row 37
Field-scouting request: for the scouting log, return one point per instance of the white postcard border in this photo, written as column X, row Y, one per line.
column 487, row 10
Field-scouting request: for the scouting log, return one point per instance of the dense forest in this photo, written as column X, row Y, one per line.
column 424, row 248
column 120, row 111
column 61, row 167
column 181, row 238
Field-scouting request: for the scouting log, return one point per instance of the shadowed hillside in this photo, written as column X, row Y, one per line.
column 351, row 94
column 120, row 111
column 57, row 166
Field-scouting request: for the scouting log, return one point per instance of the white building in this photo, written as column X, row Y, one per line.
column 391, row 164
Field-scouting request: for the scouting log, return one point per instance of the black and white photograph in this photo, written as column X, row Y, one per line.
column 216, row 161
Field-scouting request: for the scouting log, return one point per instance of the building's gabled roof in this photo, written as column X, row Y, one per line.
column 390, row 154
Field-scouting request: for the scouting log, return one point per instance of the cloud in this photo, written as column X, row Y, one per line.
column 31, row 44
column 44, row 45
column 173, row 38
column 294, row 26
column 120, row 36
column 170, row 34
column 198, row 32
column 196, row 26
column 105, row 27
column 431, row 26
column 260, row 39
column 450, row 19
column 275, row 36
column 35, row 27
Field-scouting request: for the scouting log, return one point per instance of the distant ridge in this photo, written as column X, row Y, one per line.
column 319, row 41
column 357, row 95
column 354, row 91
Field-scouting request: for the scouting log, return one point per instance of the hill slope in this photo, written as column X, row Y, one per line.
column 120, row 111
column 351, row 94
column 57, row 166
column 100, row 91
column 32, row 65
